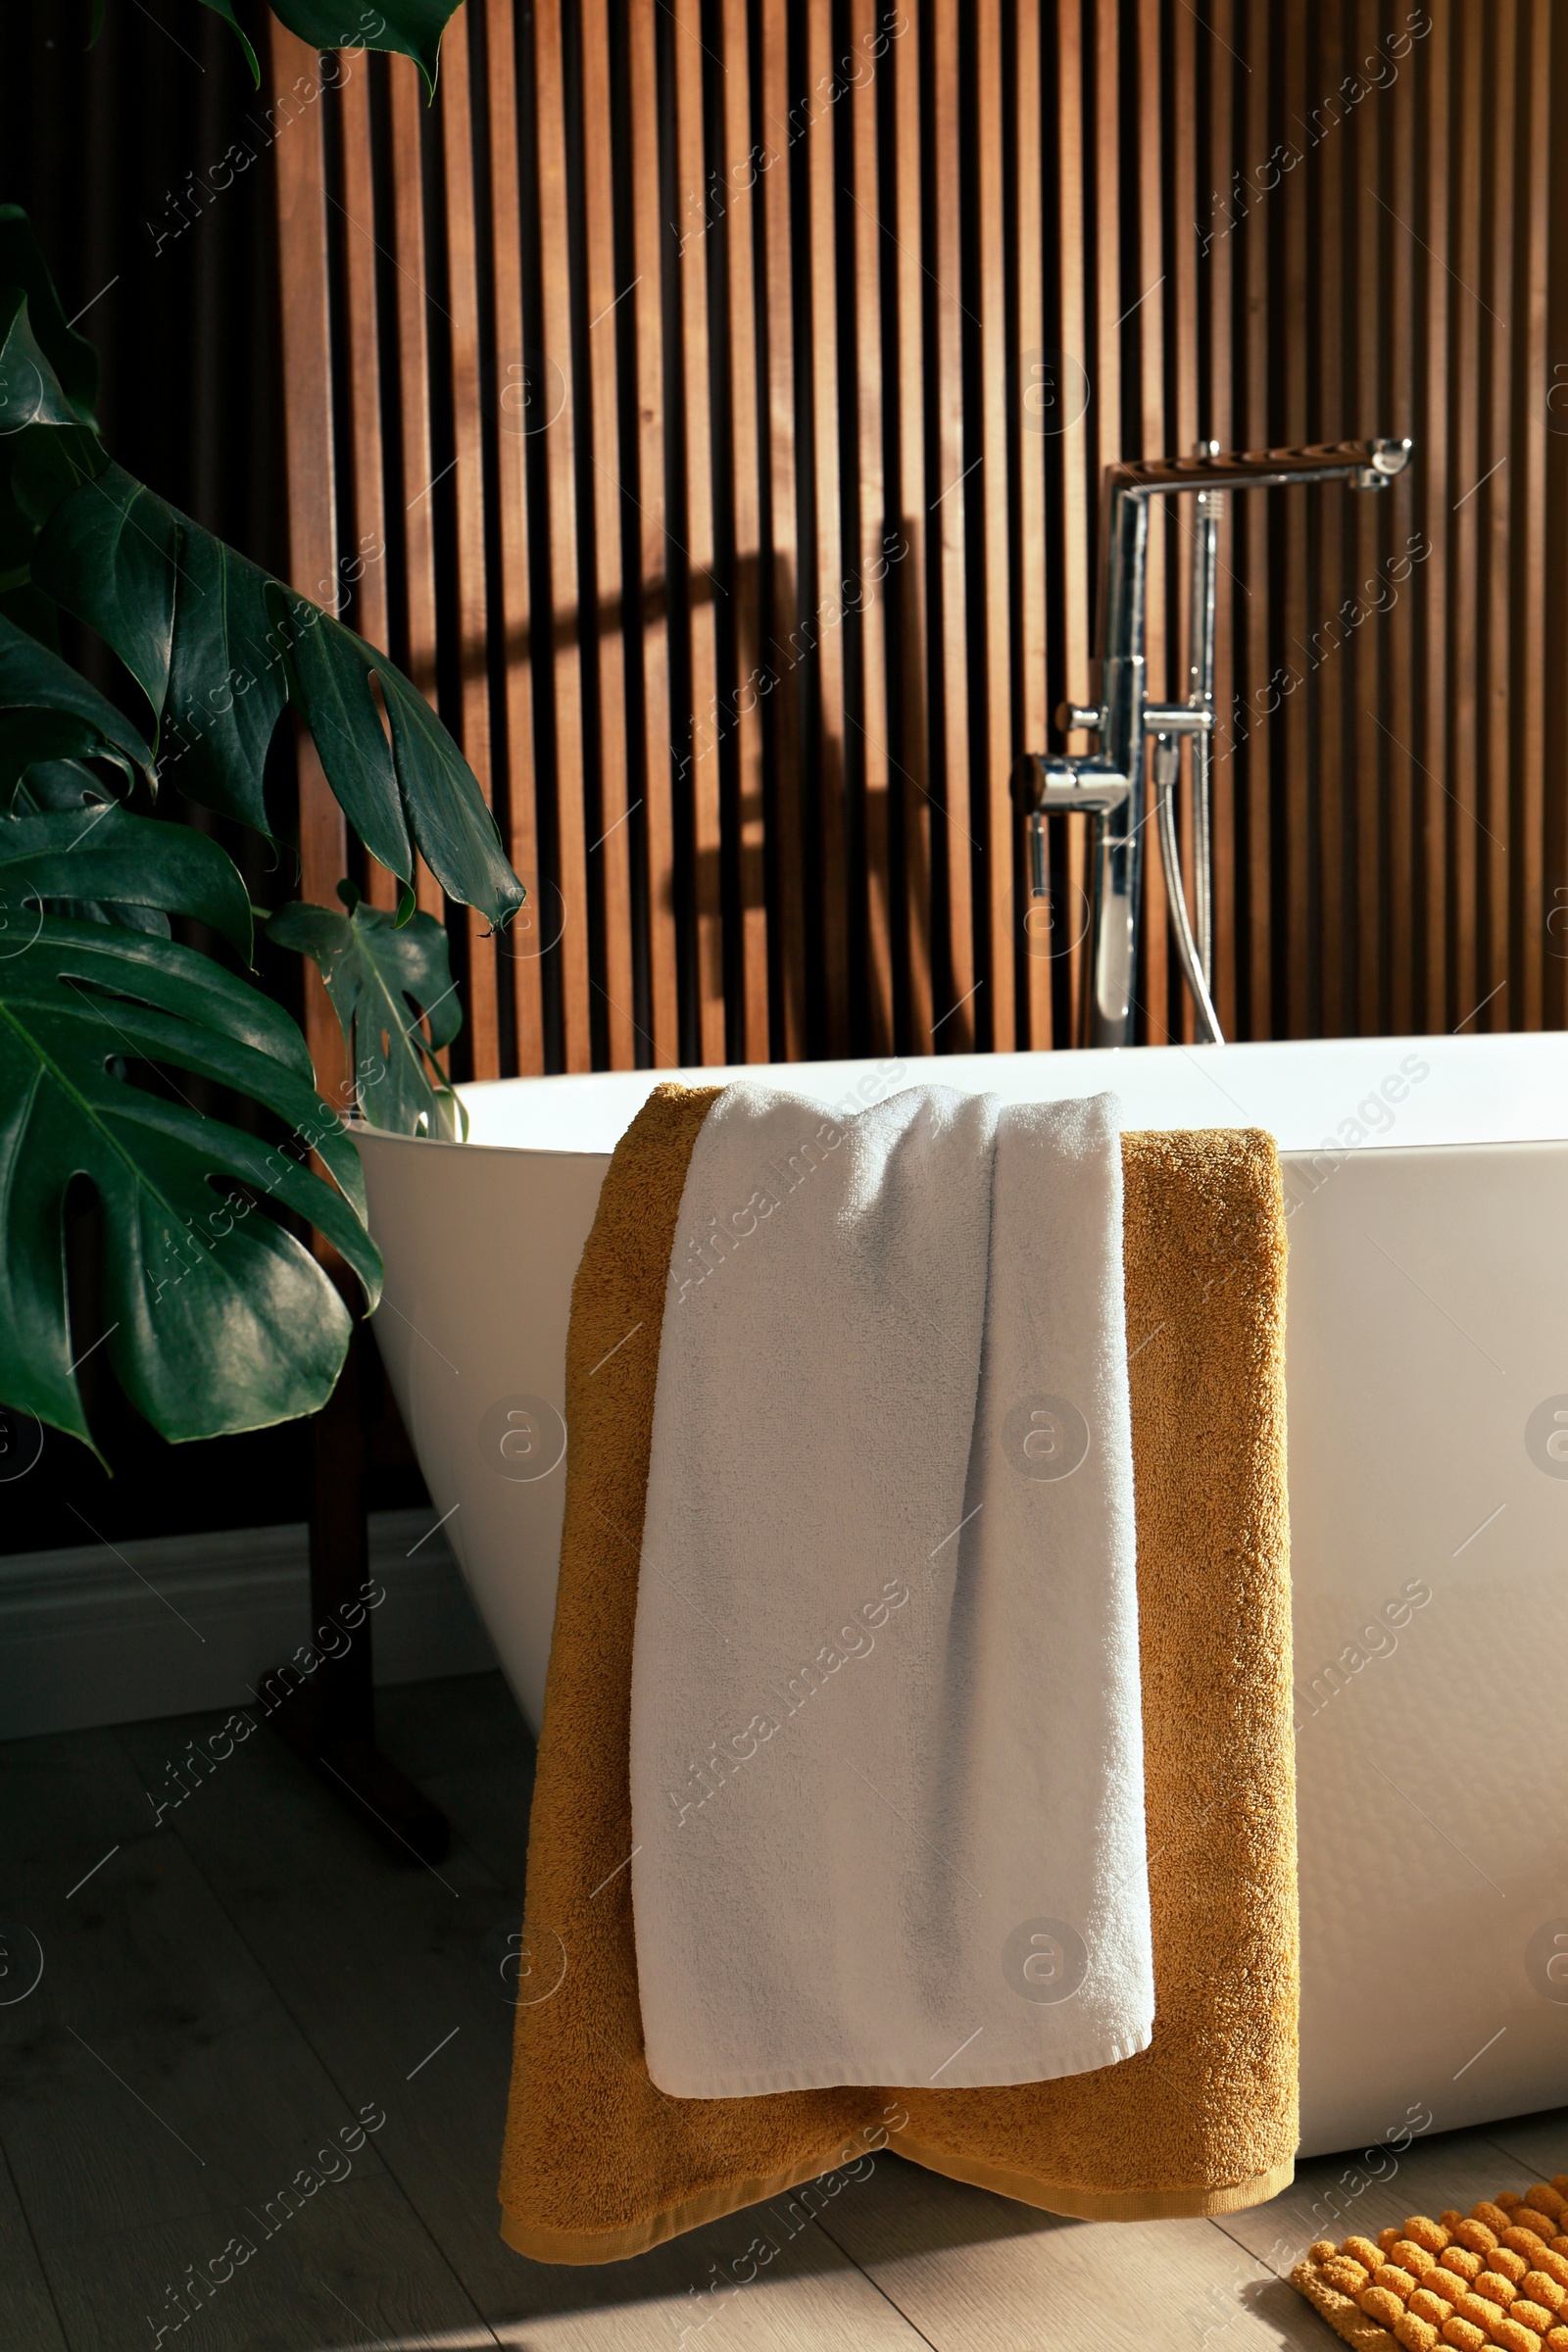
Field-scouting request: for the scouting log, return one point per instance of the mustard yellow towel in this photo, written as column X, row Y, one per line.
column 597, row 2163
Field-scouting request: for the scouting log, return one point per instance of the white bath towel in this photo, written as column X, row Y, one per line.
column 886, row 1743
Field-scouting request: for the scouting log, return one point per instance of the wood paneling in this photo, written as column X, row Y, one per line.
column 730, row 382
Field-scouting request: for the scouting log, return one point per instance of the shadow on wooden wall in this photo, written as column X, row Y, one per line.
column 790, row 337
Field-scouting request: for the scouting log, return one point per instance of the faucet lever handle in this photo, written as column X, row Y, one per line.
column 1178, row 718
column 1071, row 717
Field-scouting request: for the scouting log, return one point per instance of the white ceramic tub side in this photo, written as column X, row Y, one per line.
column 1427, row 1356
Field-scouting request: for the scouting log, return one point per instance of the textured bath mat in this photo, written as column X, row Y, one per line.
column 1498, row 2276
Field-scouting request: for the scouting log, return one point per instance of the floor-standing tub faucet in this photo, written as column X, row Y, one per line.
column 1109, row 785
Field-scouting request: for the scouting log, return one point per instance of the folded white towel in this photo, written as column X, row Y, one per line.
column 886, row 1741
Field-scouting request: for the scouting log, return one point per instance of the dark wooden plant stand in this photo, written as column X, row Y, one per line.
column 328, row 1716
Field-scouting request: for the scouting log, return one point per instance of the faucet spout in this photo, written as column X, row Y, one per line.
column 1125, row 720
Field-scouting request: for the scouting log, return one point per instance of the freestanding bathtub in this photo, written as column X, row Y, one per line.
column 1427, row 1184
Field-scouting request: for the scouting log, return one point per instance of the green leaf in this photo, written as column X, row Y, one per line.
column 49, row 712
column 408, row 27
column 216, row 1318
column 226, row 684
column 44, row 447
column 455, row 830
column 423, row 786
column 383, row 978
column 329, row 674
column 100, row 853
column 109, row 553
column 38, row 461
column 63, row 784
column 217, row 645
column 70, row 356
column 223, row 9
column 30, row 392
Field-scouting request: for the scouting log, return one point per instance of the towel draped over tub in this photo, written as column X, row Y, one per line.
column 887, row 1754
column 598, row 2164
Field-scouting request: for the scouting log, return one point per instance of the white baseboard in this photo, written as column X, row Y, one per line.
column 115, row 1633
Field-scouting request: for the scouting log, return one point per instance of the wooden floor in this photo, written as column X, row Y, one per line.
column 222, row 1993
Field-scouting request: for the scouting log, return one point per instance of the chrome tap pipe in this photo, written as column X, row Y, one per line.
column 1109, row 785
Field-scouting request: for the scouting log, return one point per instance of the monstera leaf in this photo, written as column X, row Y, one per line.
column 46, row 430
column 217, row 645
column 48, row 711
column 218, row 1319
column 383, row 980
column 97, row 855
column 408, row 27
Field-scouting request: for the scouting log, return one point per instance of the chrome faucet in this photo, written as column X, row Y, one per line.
column 1110, row 786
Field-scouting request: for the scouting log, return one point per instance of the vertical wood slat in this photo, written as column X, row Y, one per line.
column 1466, row 470
column 910, row 604
column 1217, row 256
column 406, row 108
column 870, row 564
column 1365, row 743
column 781, row 577
column 1031, row 941
column 1248, row 540
column 1184, row 423
column 311, row 462
column 526, row 941
column 457, row 98
column 824, row 629
column 742, row 698
column 1080, row 431
column 1398, row 723
column 613, row 848
column 702, row 772
column 1500, row 514
column 1317, row 643
column 361, row 588
column 995, row 818
column 946, row 498
column 1528, row 756
column 1432, row 500
column 568, row 620
column 1110, row 298
column 1313, row 373
column 652, row 639
column 1398, row 812
column 1145, row 308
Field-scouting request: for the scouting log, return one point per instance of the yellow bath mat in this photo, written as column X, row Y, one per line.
column 597, row 2163
column 1498, row 2276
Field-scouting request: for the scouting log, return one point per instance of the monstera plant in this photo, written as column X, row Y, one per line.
column 406, row 27
column 217, row 1315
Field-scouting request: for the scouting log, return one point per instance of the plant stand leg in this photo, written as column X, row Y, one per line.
column 329, row 1715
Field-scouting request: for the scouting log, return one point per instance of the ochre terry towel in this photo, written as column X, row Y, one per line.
column 597, row 2163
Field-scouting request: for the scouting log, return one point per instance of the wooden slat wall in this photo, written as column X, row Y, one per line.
column 729, row 383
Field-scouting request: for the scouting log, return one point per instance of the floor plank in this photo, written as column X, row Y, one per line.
column 153, row 2075
column 465, row 1744
column 384, row 1968
column 975, row 2273
column 807, row 2297
column 28, row 2318
column 1540, row 2143
column 382, row 1963
column 351, row 2269
column 1372, row 2189
column 222, row 1991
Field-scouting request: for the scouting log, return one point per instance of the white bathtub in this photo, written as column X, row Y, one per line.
column 1426, row 1368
